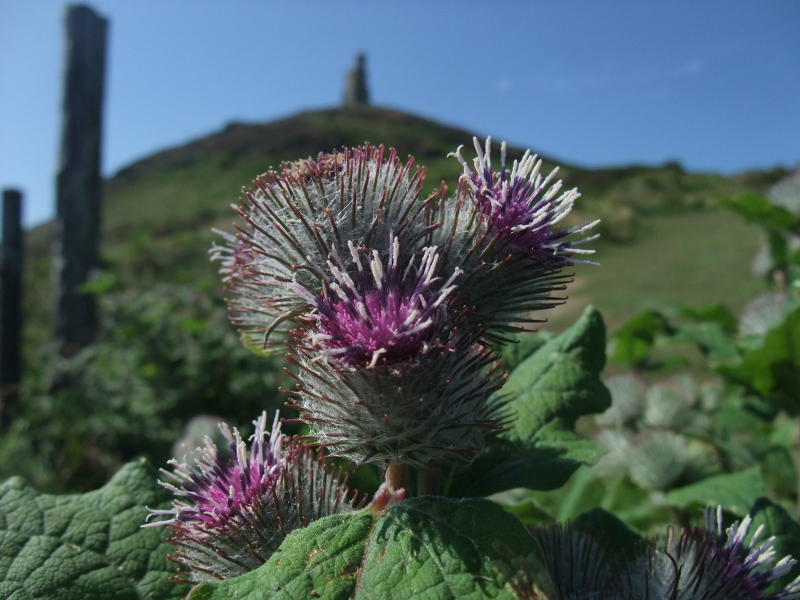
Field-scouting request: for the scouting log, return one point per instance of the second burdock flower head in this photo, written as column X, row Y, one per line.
column 391, row 302
column 231, row 514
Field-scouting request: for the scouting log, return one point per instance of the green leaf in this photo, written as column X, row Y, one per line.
column 712, row 339
column 779, row 472
column 730, row 420
column 716, row 313
column 549, row 391
column 779, row 251
column 528, row 511
column 793, row 288
column 86, row 545
column 778, row 523
column 426, row 547
column 452, row 549
column 322, row 561
column 583, row 491
column 527, row 343
column 633, row 341
column 760, row 211
column 735, row 492
column 772, row 369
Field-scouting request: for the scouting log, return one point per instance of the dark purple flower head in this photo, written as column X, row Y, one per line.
column 230, row 515
column 382, row 314
column 576, row 561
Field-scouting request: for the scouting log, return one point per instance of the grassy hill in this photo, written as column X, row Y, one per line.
column 662, row 235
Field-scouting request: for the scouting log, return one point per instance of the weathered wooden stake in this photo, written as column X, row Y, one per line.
column 11, row 305
column 79, row 186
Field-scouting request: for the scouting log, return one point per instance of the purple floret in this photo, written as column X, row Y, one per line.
column 382, row 316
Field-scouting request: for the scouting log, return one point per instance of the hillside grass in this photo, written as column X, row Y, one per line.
column 695, row 258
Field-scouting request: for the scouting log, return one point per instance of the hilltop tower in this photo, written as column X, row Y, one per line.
column 355, row 85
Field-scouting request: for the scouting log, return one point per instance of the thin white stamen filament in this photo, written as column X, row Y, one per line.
column 375, row 356
column 377, row 269
column 395, row 255
column 354, row 254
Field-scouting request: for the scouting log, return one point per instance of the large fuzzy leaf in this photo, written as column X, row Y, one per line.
column 715, row 313
column 760, row 211
column 772, row 368
column 426, row 547
column 322, row 560
column 711, row 338
column 735, row 492
column 549, row 391
column 85, row 545
column 634, row 339
column 523, row 346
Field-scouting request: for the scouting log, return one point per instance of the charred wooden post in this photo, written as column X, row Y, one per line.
column 11, row 305
column 79, row 185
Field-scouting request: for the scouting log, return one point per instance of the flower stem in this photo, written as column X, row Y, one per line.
column 396, row 476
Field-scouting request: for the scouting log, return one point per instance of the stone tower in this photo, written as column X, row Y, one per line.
column 355, row 85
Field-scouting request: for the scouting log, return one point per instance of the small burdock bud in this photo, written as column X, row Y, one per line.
column 230, row 515
column 433, row 408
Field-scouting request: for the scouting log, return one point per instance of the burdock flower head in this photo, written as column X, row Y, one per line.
column 231, row 514
column 302, row 217
column 382, row 295
column 512, row 251
column 386, row 373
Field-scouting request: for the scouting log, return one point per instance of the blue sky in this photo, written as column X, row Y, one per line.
column 712, row 84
